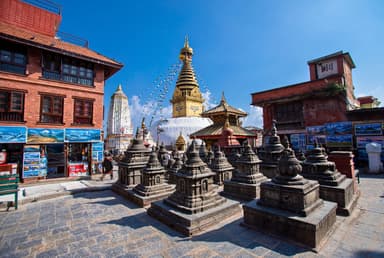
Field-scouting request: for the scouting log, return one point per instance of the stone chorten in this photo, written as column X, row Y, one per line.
column 132, row 164
column 334, row 186
column 246, row 179
column 271, row 153
column 196, row 204
column 290, row 206
column 174, row 169
column 221, row 167
column 152, row 188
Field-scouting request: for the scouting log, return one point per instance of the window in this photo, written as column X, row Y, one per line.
column 83, row 111
column 56, row 67
column 289, row 115
column 13, row 57
column 51, row 109
column 11, row 106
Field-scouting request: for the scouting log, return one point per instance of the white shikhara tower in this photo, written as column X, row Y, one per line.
column 119, row 127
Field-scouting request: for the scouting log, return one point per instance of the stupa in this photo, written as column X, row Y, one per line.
column 221, row 167
column 152, row 187
column 246, row 178
column 290, row 206
column 187, row 105
column 334, row 186
column 271, row 153
column 131, row 165
column 196, row 204
column 119, row 127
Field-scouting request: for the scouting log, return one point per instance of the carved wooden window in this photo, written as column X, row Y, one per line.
column 13, row 57
column 11, row 106
column 83, row 111
column 51, row 109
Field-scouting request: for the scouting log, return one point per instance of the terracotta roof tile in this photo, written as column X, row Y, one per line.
column 54, row 44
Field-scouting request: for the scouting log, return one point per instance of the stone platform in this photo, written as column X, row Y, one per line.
column 241, row 191
column 193, row 224
column 142, row 201
column 343, row 195
column 310, row 231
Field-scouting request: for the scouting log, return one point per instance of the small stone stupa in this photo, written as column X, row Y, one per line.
column 334, row 186
column 290, row 206
column 132, row 164
column 221, row 167
column 152, row 188
column 246, row 178
column 174, row 169
column 196, row 204
column 271, row 153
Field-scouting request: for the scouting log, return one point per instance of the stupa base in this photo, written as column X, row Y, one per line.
column 310, row 231
column 193, row 224
column 343, row 195
column 241, row 191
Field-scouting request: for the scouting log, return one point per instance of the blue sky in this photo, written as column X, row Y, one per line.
column 240, row 47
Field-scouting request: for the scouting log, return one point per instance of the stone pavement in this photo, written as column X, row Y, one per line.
column 103, row 224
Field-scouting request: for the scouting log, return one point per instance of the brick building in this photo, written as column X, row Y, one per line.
column 324, row 98
column 51, row 93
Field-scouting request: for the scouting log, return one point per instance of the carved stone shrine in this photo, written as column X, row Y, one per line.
column 334, row 186
column 246, row 178
column 290, row 206
column 221, row 167
column 196, row 204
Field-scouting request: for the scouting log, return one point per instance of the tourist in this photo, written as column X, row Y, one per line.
column 107, row 166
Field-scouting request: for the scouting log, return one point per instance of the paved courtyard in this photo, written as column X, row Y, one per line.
column 103, row 224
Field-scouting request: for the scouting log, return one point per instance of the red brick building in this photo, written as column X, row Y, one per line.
column 51, row 92
column 324, row 98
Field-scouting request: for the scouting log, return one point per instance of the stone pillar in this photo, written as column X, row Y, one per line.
column 345, row 165
column 374, row 151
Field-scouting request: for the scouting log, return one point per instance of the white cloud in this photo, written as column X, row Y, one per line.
column 254, row 118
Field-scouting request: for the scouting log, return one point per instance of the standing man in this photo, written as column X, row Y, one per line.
column 107, row 166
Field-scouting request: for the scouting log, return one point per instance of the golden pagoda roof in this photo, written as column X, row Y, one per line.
column 224, row 107
column 180, row 140
column 217, row 130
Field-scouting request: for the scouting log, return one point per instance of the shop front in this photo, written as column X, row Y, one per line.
column 46, row 153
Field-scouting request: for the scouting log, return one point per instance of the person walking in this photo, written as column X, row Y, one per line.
column 107, row 166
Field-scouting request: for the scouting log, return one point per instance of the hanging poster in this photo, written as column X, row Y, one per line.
column 339, row 128
column 45, row 135
column 13, row 134
column 362, row 141
column 316, row 130
column 97, row 151
column 368, row 129
column 298, row 141
column 82, row 135
column 339, row 140
column 31, row 166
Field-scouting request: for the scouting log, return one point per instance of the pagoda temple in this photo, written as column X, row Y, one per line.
column 226, row 129
column 187, row 105
column 119, row 129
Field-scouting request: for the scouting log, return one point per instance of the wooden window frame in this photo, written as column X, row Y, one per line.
column 12, row 111
column 78, row 119
column 57, row 117
column 15, row 50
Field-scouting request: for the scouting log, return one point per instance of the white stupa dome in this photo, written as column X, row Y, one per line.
column 169, row 129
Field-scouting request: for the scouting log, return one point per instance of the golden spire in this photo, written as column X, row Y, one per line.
column 186, row 52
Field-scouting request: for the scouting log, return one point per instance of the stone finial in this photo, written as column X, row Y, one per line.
column 289, row 168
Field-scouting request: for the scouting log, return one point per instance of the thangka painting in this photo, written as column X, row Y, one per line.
column 368, row 129
column 13, row 134
column 339, row 128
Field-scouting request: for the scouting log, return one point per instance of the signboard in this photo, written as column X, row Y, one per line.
column 339, row 128
column 326, row 68
column 77, row 169
column 45, row 135
column 82, row 135
column 368, row 129
column 13, row 134
column 35, row 162
column 97, row 151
